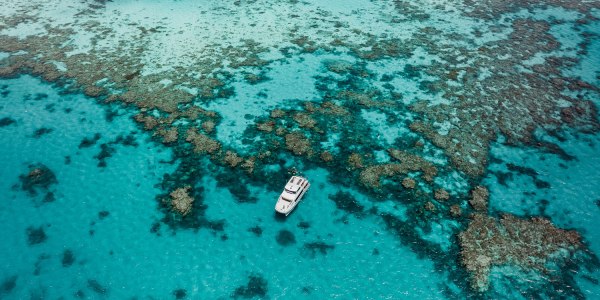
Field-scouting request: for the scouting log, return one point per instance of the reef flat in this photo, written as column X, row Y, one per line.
column 456, row 139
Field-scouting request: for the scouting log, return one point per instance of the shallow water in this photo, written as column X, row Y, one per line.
column 358, row 80
column 121, row 253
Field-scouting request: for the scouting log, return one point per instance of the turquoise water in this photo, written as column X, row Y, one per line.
column 361, row 97
column 119, row 251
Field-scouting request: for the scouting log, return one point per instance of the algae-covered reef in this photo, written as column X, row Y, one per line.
column 405, row 103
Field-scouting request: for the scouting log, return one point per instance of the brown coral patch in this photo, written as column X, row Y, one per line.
column 355, row 161
column 411, row 162
column 202, row 143
column 232, row 159
column 441, row 195
column 267, row 126
column 409, row 183
column 455, row 211
column 479, row 198
column 527, row 243
column 326, row 156
column 168, row 135
column 298, row 143
column 181, row 201
column 305, row 120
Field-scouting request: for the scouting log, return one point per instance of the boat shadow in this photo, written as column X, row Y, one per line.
column 281, row 218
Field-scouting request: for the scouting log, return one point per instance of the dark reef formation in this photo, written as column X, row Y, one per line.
column 180, row 294
column 8, row 284
column 318, row 247
column 38, row 179
column 36, row 235
column 68, row 258
column 96, row 287
column 257, row 286
column 285, row 238
column 6, row 121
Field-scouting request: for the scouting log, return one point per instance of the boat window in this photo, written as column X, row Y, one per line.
column 286, row 200
column 290, row 192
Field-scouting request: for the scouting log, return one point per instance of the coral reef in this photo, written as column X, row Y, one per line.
column 409, row 183
column 455, row 211
column 181, row 200
column 168, row 135
column 89, row 141
column 39, row 178
column 68, row 258
column 371, row 176
column 326, row 156
column 202, row 143
column 8, row 284
column 429, row 206
column 479, row 198
column 257, row 230
column 180, row 293
column 311, row 249
column 36, row 235
column 346, row 202
column 96, row 287
column 232, row 159
column 528, row 243
column 257, row 286
column 285, row 238
column 441, row 195
column 298, row 143
column 474, row 90
column 38, row 133
column 7, row 121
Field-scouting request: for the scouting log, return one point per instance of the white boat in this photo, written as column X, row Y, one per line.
column 293, row 192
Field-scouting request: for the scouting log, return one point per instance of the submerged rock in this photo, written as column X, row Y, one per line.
column 527, row 243
column 181, row 201
column 479, row 198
